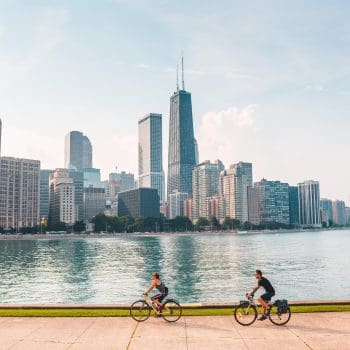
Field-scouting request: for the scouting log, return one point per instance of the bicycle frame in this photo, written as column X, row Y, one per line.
column 251, row 302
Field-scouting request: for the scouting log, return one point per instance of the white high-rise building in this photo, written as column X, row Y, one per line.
column 176, row 204
column 205, row 185
column 234, row 184
column 19, row 192
column 62, row 198
column 309, row 204
column 151, row 172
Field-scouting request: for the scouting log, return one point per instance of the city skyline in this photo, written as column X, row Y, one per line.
column 268, row 91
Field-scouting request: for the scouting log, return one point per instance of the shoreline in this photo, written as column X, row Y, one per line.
column 45, row 236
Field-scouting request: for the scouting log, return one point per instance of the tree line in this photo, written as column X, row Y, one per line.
column 119, row 224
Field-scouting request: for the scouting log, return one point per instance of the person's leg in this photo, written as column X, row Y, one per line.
column 263, row 299
column 156, row 298
column 160, row 299
column 263, row 303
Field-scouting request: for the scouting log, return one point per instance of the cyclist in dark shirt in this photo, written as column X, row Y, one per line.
column 162, row 289
column 266, row 297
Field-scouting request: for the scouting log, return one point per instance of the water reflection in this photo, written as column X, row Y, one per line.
column 206, row 267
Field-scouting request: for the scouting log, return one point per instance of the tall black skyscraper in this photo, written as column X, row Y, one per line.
column 182, row 154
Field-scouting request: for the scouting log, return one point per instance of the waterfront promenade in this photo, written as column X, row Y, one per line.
column 304, row 331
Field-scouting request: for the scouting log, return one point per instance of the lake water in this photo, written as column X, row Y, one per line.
column 196, row 268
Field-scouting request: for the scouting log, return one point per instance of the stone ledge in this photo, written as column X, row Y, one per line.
column 185, row 305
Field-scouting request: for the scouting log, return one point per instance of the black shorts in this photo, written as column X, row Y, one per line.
column 160, row 297
column 267, row 296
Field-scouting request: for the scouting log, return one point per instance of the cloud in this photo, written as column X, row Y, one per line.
column 29, row 147
column 2, row 31
column 227, row 134
column 189, row 71
column 50, row 30
column 143, row 66
column 124, row 154
column 314, row 87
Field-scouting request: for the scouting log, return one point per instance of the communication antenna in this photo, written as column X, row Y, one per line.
column 182, row 67
column 177, row 76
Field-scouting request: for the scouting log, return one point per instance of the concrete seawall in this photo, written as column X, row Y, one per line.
column 185, row 305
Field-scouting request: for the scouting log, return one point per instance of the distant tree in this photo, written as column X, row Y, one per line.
column 101, row 222
column 201, row 223
column 59, row 226
column 214, row 223
column 29, row 230
column 247, row 226
column 230, row 224
column 181, row 223
column 79, row 226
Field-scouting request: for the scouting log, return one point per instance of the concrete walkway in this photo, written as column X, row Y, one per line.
column 304, row 331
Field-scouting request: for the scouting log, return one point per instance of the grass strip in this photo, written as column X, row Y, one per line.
column 123, row 313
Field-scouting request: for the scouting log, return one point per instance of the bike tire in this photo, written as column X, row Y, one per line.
column 140, row 311
column 172, row 311
column 277, row 318
column 245, row 314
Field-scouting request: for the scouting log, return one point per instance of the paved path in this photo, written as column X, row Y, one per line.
column 304, row 331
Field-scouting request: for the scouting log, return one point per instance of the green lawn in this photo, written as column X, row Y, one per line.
column 120, row 312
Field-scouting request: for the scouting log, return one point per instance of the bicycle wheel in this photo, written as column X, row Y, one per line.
column 171, row 311
column 140, row 311
column 277, row 318
column 245, row 314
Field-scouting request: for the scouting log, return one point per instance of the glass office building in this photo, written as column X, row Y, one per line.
column 150, row 155
column 182, row 153
column 273, row 201
column 78, row 151
column 309, row 204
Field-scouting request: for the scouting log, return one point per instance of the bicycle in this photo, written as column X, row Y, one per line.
column 140, row 310
column 246, row 312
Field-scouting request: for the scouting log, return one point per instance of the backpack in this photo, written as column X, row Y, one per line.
column 282, row 306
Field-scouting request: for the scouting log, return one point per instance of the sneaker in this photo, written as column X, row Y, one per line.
column 262, row 318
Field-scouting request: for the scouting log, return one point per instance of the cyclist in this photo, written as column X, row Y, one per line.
column 266, row 297
column 160, row 286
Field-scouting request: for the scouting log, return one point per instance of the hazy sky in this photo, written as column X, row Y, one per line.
column 270, row 81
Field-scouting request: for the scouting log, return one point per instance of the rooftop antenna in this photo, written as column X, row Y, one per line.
column 177, row 76
column 182, row 66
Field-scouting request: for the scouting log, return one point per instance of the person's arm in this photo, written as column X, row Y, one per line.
column 151, row 287
column 254, row 290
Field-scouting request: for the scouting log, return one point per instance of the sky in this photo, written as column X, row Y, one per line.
column 270, row 81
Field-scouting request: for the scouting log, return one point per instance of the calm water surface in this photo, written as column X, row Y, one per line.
column 196, row 268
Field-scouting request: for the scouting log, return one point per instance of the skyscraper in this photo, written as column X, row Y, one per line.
column 205, row 182
column 176, row 204
column 120, row 182
column 294, row 206
column 151, row 172
column 182, row 154
column 94, row 202
column 45, row 193
column 139, row 202
column 19, row 192
column 273, row 201
column 78, row 151
column 309, row 203
column 326, row 206
column 339, row 213
column 234, row 184
column 0, row 134
column 62, row 196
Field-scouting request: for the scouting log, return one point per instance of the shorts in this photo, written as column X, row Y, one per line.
column 267, row 296
column 160, row 297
